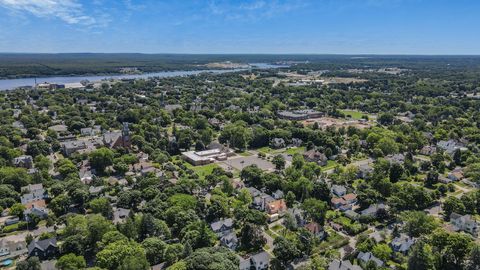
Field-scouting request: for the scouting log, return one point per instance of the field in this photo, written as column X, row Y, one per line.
column 202, row 171
column 354, row 114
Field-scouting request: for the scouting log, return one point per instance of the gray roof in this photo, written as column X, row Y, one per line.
column 224, row 222
column 343, row 265
column 402, row 243
column 42, row 244
column 368, row 256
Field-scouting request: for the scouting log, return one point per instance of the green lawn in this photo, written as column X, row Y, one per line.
column 244, row 153
column 330, row 165
column 265, row 150
column 354, row 114
column 202, row 171
column 295, row 150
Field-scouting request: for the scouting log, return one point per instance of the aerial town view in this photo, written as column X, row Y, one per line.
column 239, row 135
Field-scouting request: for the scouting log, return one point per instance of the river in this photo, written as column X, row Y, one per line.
column 8, row 84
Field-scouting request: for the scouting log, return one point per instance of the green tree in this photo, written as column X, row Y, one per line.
column 421, row 257
column 418, row 223
column 453, row 204
column 382, row 251
column 315, row 210
column 213, row 258
column 32, row 263
column 71, row 262
column 279, row 162
column 17, row 210
column 101, row 158
column 113, row 255
column 251, row 237
column 101, row 206
column 154, row 249
column 285, row 250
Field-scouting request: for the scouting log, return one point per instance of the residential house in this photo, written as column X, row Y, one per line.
column 36, row 208
column 464, row 223
column 338, row 190
column 70, row 147
column 402, row 243
column 373, row 209
column 95, row 190
column 277, row 143
column 456, row 174
column 338, row 203
column 296, row 142
column 23, row 162
column 222, row 227
column 397, row 158
column 12, row 246
column 43, row 249
column 276, row 207
column 343, row 265
column 364, row 171
column 277, row 195
column 229, row 240
column 32, row 193
column 350, row 198
column 365, row 257
column 352, row 215
column 298, row 215
column 428, row 150
column 259, row 261
column 120, row 215
column 316, row 230
column 450, row 146
column 315, row 156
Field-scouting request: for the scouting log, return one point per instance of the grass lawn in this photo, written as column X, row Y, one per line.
column 202, row 171
column 265, row 150
column 355, row 114
column 330, row 165
column 244, row 153
column 294, row 150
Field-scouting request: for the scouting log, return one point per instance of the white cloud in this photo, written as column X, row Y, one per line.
column 69, row 11
column 253, row 9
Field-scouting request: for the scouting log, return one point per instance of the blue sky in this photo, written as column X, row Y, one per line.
column 249, row 26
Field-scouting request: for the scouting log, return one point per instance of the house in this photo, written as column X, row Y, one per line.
column 450, row 146
column 259, row 261
column 364, row 171
column 428, row 150
column 32, row 193
column 70, row 147
column 338, row 202
column 338, row 190
column 316, row 230
column 12, row 246
column 277, row 195
column 276, row 207
column 229, row 240
column 397, row 158
column 277, row 143
column 23, row 162
column 298, row 215
column 402, row 243
column 315, row 156
column 365, row 257
column 120, row 215
column 222, row 227
column 352, row 215
column 95, row 190
column 456, row 174
column 464, row 223
column 37, row 208
column 261, row 201
column 43, row 249
column 343, row 265
column 296, row 142
column 350, row 198
column 88, row 131
column 372, row 210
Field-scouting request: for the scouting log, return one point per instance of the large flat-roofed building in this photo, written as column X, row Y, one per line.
column 204, row 157
column 299, row 114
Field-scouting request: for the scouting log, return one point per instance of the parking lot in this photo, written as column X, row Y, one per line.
column 239, row 163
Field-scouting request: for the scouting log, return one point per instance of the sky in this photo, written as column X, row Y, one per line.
column 251, row 26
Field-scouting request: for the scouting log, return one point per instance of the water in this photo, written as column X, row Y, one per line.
column 15, row 83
